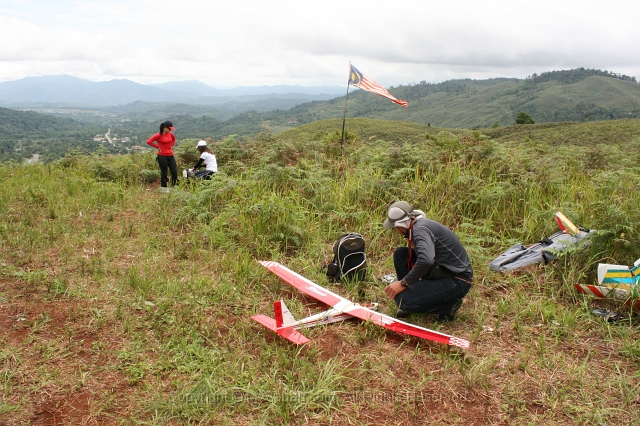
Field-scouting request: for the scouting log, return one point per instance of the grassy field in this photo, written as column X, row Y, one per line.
column 123, row 305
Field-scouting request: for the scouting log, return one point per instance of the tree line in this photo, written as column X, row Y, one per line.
column 575, row 75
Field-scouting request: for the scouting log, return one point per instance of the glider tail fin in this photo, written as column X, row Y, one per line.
column 282, row 324
column 284, row 318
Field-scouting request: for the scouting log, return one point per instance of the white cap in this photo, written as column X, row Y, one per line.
column 202, row 143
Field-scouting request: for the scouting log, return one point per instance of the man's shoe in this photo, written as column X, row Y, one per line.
column 450, row 316
column 402, row 314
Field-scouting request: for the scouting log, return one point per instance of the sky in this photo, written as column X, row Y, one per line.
column 311, row 43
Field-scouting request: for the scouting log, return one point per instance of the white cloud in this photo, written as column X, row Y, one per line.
column 247, row 42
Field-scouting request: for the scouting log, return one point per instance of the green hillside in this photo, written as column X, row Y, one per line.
column 589, row 95
column 583, row 135
column 365, row 130
column 25, row 133
column 120, row 304
column 18, row 123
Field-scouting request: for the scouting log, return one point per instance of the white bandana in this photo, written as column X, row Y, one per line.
column 404, row 223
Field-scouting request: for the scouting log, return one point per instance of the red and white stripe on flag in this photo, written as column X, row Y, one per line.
column 356, row 78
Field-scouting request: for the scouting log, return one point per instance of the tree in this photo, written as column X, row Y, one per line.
column 524, row 118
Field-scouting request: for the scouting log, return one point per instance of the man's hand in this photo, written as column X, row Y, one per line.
column 393, row 289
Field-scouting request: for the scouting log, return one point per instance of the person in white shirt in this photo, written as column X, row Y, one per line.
column 208, row 159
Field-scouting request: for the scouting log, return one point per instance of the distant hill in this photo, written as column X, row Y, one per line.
column 220, row 107
column 190, row 88
column 67, row 91
column 24, row 133
column 72, row 91
column 16, row 124
column 570, row 95
column 200, row 89
column 573, row 95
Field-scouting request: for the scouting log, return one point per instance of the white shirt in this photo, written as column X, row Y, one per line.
column 209, row 161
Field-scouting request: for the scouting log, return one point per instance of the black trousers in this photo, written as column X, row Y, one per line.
column 204, row 174
column 167, row 162
column 432, row 296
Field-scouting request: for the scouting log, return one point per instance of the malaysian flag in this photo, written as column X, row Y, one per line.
column 356, row 78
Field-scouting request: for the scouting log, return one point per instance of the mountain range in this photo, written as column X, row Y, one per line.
column 68, row 91
column 570, row 95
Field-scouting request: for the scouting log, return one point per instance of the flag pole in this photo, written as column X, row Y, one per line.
column 344, row 116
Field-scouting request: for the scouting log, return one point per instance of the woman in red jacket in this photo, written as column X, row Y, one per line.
column 164, row 141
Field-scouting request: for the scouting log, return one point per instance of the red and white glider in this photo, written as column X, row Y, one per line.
column 285, row 325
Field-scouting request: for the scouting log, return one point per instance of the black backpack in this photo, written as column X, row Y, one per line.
column 349, row 261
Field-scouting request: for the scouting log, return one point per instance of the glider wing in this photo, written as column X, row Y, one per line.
column 398, row 326
column 342, row 304
column 306, row 286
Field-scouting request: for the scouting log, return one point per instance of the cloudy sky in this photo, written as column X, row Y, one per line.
column 310, row 43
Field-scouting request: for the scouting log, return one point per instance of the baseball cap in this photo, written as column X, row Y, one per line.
column 397, row 211
column 169, row 125
column 202, row 143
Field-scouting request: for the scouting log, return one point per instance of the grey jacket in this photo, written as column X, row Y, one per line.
column 438, row 253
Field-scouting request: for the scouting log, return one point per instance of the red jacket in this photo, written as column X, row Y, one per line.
column 164, row 143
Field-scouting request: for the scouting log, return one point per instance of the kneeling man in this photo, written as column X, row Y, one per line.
column 434, row 272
